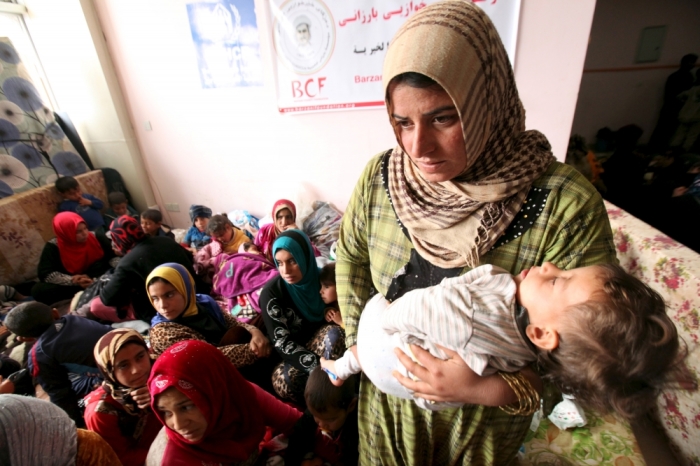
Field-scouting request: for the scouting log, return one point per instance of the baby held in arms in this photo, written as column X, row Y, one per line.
column 597, row 332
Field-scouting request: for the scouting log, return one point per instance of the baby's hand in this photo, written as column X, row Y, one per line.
column 84, row 201
column 329, row 367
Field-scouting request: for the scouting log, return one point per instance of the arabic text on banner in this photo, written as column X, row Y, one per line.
column 328, row 55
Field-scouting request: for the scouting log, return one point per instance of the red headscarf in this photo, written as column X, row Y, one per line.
column 268, row 233
column 227, row 401
column 76, row 257
column 279, row 205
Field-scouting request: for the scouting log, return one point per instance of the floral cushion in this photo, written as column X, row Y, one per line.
column 674, row 271
column 26, row 225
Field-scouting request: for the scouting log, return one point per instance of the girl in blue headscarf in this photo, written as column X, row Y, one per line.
column 294, row 316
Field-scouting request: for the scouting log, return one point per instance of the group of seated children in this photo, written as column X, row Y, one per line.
column 493, row 322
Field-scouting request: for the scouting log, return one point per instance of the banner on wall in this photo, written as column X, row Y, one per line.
column 328, row 55
column 226, row 40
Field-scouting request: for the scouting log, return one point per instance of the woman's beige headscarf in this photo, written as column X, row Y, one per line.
column 453, row 223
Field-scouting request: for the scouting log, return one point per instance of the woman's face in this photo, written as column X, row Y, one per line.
column 288, row 267
column 81, row 233
column 181, row 415
column 132, row 366
column 284, row 219
column 430, row 131
column 167, row 300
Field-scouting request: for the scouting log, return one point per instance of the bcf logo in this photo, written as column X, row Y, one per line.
column 310, row 88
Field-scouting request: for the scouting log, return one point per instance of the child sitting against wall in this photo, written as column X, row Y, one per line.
column 327, row 432
column 329, row 294
column 152, row 224
column 118, row 206
column 197, row 237
column 61, row 358
column 598, row 333
column 75, row 200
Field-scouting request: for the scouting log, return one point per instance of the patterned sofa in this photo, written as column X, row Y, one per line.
column 26, row 225
column 674, row 271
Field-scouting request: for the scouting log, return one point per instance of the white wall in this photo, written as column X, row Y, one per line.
column 231, row 149
column 632, row 93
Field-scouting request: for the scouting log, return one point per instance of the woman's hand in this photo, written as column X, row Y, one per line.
column 452, row 380
column 142, row 397
column 76, row 279
column 333, row 315
column 259, row 344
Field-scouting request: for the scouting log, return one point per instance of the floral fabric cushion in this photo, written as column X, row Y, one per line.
column 26, row 225
column 674, row 271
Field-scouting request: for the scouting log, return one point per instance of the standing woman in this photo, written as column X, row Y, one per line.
column 120, row 410
column 71, row 260
column 294, row 316
column 284, row 216
column 466, row 185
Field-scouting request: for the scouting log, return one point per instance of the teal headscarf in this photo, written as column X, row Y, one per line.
column 306, row 294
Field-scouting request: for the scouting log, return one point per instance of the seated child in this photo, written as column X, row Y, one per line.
column 118, row 206
column 327, row 432
column 225, row 238
column 598, row 333
column 329, row 295
column 61, row 358
column 196, row 237
column 83, row 204
column 152, row 224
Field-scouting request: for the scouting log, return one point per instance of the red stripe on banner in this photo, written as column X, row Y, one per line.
column 311, row 108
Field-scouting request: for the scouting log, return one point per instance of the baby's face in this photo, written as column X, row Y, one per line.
column 201, row 223
column 547, row 291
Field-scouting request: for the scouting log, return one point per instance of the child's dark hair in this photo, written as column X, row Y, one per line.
column 321, row 395
column 617, row 350
column 327, row 274
column 217, row 223
column 65, row 184
column 29, row 320
column 116, row 197
column 154, row 215
column 247, row 245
